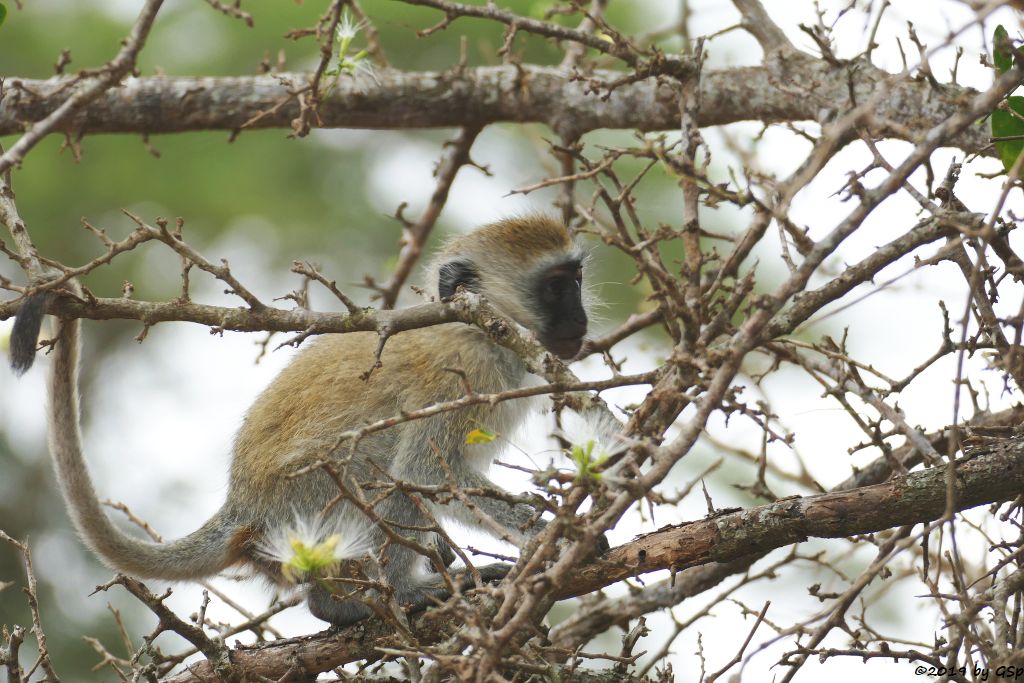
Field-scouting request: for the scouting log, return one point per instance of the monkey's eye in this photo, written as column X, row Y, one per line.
column 561, row 281
column 556, row 285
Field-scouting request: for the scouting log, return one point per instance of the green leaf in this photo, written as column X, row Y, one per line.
column 1005, row 124
column 3, row 13
column 587, row 463
column 1002, row 49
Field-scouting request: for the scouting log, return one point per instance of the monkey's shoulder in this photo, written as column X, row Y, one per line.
column 410, row 359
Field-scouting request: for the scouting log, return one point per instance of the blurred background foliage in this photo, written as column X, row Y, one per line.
column 324, row 198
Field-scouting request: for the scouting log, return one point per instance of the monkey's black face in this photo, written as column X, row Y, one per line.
column 559, row 293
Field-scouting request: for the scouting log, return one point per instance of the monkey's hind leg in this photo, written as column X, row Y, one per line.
column 324, row 604
column 328, row 603
column 402, row 572
column 412, row 581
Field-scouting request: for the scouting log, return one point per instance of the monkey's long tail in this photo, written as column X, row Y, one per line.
column 204, row 552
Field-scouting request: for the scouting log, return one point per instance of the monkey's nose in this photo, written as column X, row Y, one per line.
column 565, row 348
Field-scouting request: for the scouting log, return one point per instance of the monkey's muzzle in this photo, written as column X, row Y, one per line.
column 565, row 349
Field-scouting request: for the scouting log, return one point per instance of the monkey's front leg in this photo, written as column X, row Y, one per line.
column 517, row 519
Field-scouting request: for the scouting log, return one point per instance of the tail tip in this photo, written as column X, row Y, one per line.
column 21, row 363
column 25, row 334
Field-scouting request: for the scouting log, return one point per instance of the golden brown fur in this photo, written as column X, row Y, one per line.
column 527, row 237
column 325, row 395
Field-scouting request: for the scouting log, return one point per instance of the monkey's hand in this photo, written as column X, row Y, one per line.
column 599, row 548
column 445, row 551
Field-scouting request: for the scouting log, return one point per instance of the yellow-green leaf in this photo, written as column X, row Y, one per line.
column 587, row 461
column 310, row 560
column 480, row 436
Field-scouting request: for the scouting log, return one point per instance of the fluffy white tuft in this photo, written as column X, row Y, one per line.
column 347, row 28
column 315, row 545
column 597, row 428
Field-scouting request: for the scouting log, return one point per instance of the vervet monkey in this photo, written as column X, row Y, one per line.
column 529, row 268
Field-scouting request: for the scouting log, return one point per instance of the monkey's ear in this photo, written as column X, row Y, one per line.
column 455, row 274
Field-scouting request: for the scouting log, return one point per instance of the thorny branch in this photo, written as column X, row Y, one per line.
column 415, row 234
column 730, row 333
column 85, row 88
column 15, row 671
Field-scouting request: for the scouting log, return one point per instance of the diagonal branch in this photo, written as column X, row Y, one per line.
column 104, row 78
column 760, row 25
column 586, row 623
column 414, row 235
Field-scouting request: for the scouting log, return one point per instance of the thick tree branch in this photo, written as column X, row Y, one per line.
column 795, row 88
column 690, row 582
column 990, row 475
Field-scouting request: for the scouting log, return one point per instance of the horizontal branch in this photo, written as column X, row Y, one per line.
column 991, row 475
column 241, row 319
column 480, row 96
column 465, row 307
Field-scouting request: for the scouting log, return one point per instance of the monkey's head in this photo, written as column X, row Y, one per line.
column 528, row 267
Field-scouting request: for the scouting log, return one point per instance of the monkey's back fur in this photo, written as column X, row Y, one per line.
column 323, row 395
